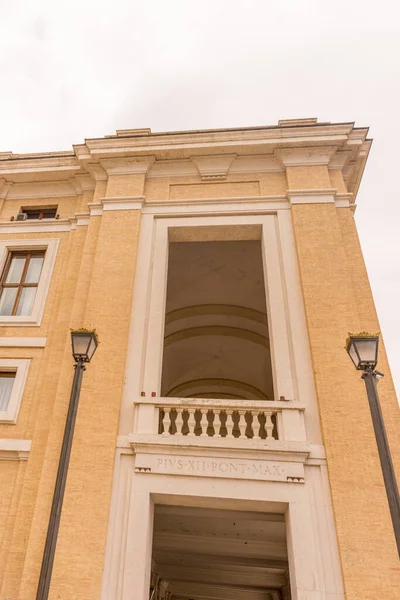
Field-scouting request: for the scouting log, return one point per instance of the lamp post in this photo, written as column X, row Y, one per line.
column 84, row 344
column 363, row 351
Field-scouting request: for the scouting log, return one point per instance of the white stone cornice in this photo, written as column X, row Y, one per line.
column 215, row 166
column 45, row 226
column 11, row 449
column 95, row 209
column 305, row 156
column 82, row 218
column 23, row 342
column 127, row 165
column 316, row 196
column 122, row 203
column 344, row 200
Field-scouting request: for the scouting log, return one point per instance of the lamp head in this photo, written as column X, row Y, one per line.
column 363, row 350
column 84, row 344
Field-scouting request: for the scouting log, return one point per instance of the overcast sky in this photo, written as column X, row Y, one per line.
column 83, row 68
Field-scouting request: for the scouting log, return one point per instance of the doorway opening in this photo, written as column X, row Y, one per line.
column 212, row 554
column 216, row 340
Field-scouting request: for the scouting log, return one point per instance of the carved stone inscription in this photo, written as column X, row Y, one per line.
column 235, row 468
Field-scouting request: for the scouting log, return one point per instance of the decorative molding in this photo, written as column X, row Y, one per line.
column 316, row 196
column 224, row 206
column 44, row 226
column 122, row 203
column 306, row 156
column 82, row 218
column 95, row 209
column 214, row 166
column 127, row 166
column 23, row 342
column 11, row 449
column 344, row 200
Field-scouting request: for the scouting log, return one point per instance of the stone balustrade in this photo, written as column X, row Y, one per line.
column 184, row 419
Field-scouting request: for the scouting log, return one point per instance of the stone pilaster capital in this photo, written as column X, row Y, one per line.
column 305, row 156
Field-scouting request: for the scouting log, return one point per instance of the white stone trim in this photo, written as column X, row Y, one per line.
column 30, row 226
column 20, row 366
column 11, row 449
column 314, row 565
column 316, row 196
column 305, row 156
column 250, row 205
column 82, row 219
column 51, row 247
column 122, row 203
column 23, row 342
column 344, row 200
column 95, row 209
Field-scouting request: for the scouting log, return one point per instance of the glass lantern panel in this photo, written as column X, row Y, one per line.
column 367, row 350
column 81, row 343
column 92, row 347
column 353, row 355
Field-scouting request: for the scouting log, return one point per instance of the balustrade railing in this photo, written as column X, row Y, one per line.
column 190, row 419
column 217, row 422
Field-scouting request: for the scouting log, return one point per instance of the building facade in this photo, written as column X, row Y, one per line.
column 223, row 448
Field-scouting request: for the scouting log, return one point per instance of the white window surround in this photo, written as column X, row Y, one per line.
column 50, row 246
column 20, row 366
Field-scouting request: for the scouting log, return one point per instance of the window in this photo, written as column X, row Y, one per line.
column 40, row 213
column 13, row 374
column 19, row 282
column 26, row 268
column 6, row 385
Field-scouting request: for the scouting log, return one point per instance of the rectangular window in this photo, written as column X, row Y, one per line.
column 48, row 212
column 13, row 374
column 19, row 282
column 7, row 379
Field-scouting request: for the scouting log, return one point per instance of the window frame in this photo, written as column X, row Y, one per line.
column 49, row 247
column 20, row 367
column 40, row 210
column 21, row 284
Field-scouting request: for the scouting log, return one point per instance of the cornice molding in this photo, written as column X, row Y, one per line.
column 48, row 226
column 95, row 209
column 11, row 449
column 127, row 166
column 122, row 203
column 23, row 342
column 314, row 196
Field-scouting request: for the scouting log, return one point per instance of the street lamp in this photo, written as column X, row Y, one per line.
column 363, row 351
column 84, row 344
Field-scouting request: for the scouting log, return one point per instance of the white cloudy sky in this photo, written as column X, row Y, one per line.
column 82, row 68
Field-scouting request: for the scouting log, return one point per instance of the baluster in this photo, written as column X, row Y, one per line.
column 166, row 421
column 229, row 423
column 242, row 424
column 204, row 422
column 255, row 425
column 217, row 422
column 179, row 421
column 191, row 421
column 268, row 424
